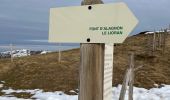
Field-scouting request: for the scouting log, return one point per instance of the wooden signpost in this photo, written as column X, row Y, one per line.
column 97, row 27
column 91, row 69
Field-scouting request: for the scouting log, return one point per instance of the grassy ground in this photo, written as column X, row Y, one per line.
column 156, row 67
column 45, row 72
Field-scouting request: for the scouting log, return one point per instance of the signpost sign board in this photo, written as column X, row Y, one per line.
column 100, row 23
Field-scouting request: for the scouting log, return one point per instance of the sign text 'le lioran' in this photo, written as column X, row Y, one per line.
column 101, row 23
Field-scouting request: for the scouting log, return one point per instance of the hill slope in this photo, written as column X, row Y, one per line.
column 44, row 71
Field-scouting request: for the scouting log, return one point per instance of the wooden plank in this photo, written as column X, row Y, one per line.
column 108, row 72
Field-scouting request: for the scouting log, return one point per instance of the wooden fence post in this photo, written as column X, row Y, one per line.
column 11, row 49
column 131, row 79
column 154, row 39
column 124, row 85
column 59, row 53
column 159, row 39
column 128, row 80
column 164, row 40
column 148, row 46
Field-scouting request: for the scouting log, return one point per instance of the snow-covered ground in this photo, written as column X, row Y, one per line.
column 151, row 32
column 21, row 53
column 162, row 93
column 17, row 53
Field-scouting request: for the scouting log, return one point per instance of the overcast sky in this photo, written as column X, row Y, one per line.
column 27, row 20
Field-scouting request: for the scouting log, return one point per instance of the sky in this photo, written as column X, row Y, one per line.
column 27, row 21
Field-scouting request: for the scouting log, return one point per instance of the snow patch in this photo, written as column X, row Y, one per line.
column 54, row 96
column 9, row 91
column 162, row 93
column 45, row 52
column 12, row 98
column 156, row 32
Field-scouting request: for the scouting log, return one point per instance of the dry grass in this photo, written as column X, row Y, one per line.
column 44, row 71
column 156, row 68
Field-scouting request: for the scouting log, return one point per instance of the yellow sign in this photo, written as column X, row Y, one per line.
column 101, row 23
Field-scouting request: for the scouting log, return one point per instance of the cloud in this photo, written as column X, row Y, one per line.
column 29, row 19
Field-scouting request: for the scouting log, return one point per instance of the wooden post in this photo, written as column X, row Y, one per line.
column 161, row 34
column 59, row 54
column 91, row 2
column 91, row 72
column 128, row 80
column 131, row 79
column 11, row 49
column 148, row 46
column 124, row 85
column 164, row 40
column 92, row 67
column 153, row 45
